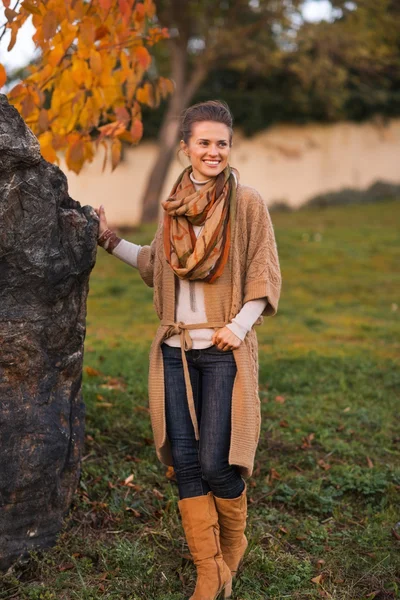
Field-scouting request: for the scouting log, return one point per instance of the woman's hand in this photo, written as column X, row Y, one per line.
column 225, row 339
column 103, row 221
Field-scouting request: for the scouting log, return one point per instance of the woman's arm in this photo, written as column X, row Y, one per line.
column 128, row 252
column 122, row 249
column 247, row 316
column 263, row 275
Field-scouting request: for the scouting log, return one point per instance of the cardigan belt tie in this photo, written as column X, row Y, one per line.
column 182, row 329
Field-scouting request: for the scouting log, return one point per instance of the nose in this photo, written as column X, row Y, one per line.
column 213, row 151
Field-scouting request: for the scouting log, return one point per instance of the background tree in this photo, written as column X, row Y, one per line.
column 88, row 82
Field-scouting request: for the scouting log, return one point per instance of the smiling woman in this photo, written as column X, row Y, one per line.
column 215, row 270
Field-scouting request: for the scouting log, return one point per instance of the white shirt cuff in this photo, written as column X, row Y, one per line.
column 127, row 252
column 247, row 316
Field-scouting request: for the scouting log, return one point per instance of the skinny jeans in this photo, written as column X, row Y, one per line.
column 201, row 465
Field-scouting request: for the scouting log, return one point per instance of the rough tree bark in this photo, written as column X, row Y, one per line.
column 47, row 251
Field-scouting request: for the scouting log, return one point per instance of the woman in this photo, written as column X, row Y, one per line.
column 215, row 271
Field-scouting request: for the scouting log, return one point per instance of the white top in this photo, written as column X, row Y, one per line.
column 190, row 305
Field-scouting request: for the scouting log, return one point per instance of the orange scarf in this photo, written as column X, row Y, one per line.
column 214, row 206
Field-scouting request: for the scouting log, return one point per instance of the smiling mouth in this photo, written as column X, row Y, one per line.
column 212, row 163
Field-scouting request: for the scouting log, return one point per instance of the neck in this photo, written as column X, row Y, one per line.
column 198, row 181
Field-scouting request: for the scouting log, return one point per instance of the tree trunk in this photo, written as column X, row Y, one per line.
column 47, row 251
column 168, row 136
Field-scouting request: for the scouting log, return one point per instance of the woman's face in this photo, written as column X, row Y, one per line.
column 208, row 149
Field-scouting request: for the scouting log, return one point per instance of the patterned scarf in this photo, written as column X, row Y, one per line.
column 214, row 205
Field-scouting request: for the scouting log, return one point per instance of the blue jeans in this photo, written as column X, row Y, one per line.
column 201, row 466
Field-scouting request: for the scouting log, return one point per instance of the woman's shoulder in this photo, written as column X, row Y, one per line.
column 248, row 198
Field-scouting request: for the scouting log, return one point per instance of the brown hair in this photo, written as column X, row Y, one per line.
column 212, row 110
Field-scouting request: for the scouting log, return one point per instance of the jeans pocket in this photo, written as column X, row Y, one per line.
column 214, row 351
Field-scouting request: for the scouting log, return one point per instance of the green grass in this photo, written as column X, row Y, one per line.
column 324, row 496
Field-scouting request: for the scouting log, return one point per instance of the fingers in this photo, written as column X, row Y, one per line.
column 224, row 339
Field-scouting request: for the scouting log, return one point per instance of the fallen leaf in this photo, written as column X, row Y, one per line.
column 133, row 458
column 257, row 470
column 283, row 423
column 280, row 399
column 395, row 534
column 318, row 579
column 129, row 479
column 273, row 474
column 91, row 372
column 283, row 529
column 141, row 409
column 307, row 440
column 135, row 512
column 158, row 494
column 170, row 473
column 347, row 409
column 187, row 557
column 66, row 567
column 370, row 463
column 324, row 465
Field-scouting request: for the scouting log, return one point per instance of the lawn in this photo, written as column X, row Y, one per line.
column 324, row 499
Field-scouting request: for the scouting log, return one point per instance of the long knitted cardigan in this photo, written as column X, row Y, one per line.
column 252, row 271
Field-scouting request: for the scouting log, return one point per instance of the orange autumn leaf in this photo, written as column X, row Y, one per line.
column 143, row 57
column 74, row 156
column 3, row 75
column 136, row 130
column 116, row 148
column 91, row 371
column 88, row 83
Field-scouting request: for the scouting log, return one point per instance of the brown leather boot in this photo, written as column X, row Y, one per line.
column 200, row 523
column 232, row 514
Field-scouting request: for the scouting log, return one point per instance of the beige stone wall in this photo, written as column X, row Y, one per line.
column 286, row 162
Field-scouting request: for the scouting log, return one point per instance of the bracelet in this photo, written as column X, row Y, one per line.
column 108, row 240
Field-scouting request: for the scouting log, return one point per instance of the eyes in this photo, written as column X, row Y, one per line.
column 220, row 144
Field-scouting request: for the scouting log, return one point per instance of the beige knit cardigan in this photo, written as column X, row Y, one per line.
column 252, row 271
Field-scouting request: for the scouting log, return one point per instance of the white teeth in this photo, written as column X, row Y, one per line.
column 212, row 162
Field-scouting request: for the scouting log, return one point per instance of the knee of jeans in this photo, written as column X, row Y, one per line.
column 213, row 472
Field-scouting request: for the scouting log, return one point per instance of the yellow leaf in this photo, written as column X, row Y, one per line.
column 95, row 62
column 166, row 86
column 3, row 75
column 46, row 147
column 116, row 148
column 317, row 579
column 145, row 95
column 56, row 55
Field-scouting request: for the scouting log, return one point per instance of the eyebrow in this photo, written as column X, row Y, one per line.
column 206, row 140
